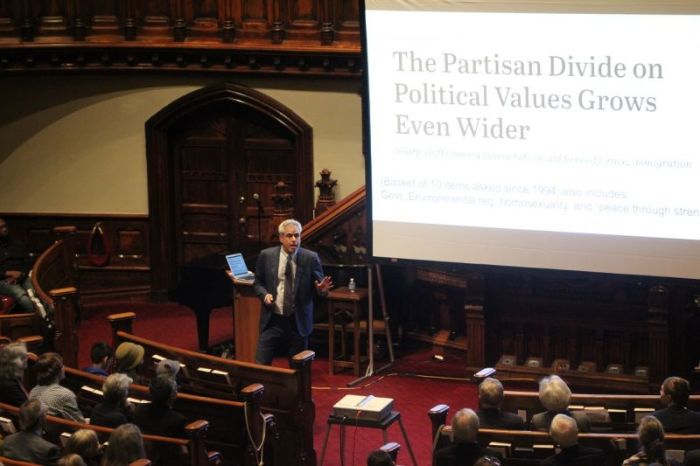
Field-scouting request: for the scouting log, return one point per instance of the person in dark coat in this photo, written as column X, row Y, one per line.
column 114, row 410
column 490, row 414
column 676, row 417
column 554, row 396
column 13, row 362
column 564, row 432
column 464, row 450
column 28, row 444
column 158, row 416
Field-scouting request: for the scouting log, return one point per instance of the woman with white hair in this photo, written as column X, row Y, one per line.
column 554, row 396
column 114, row 410
column 13, row 362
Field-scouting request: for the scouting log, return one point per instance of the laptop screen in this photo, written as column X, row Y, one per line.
column 237, row 264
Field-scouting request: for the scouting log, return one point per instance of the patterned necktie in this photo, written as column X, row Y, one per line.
column 288, row 299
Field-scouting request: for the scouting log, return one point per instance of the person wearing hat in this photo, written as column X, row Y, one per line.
column 129, row 357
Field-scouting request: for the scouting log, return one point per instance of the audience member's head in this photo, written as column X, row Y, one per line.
column 169, row 368
column 84, row 442
column 554, row 394
column 490, row 393
column 32, row 414
column 125, row 446
column 115, row 389
column 13, row 360
column 379, row 458
column 487, row 461
column 465, row 426
column 129, row 356
column 564, row 430
column 49, row 369
column 675, row 391
column 100, row 354
column 71, row 459
column 163, row 390
column 651, row 437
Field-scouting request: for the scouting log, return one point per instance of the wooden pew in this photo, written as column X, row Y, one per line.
column 8, row 462
column 287, row 391
column 55, row 281
column 529, row 447
column 621, row 408
column 172, row 451
column 227, row 425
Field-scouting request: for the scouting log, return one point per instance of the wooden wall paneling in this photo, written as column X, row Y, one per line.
column 156, row 18
column 10, row 13
column 52, row 18
column 102, row 18
column 255, row 18
column 303, row 19
column 346, row 19
column 127, row 275
column 205, row 19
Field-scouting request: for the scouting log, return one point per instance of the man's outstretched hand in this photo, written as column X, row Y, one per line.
column 322, row 286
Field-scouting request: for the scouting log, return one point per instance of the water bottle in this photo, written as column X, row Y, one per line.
column 351, row 285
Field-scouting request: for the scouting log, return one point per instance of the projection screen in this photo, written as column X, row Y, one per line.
column 549, row 135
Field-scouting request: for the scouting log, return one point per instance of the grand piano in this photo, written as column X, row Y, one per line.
column 204, row 285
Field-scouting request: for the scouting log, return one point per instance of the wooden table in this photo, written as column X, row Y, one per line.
column 345, row 306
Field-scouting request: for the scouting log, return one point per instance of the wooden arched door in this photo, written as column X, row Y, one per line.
column 208, row 154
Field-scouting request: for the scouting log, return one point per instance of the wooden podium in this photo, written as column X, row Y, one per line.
column 246, row 320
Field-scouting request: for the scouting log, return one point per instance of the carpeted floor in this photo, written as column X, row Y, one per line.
column 416, row 381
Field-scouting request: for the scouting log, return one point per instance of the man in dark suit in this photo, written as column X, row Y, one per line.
column 28, row 445
column 286, row 279
column 490, row 414
column 554, row 396
column 676, row 417
column 564, row 432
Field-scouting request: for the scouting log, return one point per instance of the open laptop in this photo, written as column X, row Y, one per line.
column 238, row 267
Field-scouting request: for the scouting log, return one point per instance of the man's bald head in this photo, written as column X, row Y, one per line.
column 564, row 430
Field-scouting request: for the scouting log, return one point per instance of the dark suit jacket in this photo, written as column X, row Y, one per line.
column 308, row 271
column 541, row 421
column 158, row 419
column 576, row 456
column 11, row 392
column 28, row 446
column 460, row 454
column 678, row 420
column 492, row 418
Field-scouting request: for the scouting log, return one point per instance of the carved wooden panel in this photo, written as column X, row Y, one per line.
column 127, row 272
column 52, row 17
column 301, row 18
column 346, row 19
column 10, row 14
column 102, row 17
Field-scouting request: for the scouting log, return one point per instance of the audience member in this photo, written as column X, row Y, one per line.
column 13, row 362
column 379, row 458
column 651, row 438
column 59, row 401
column 158, row 417
column 14, row 270
column 676, row 417
column 125, row 445
column 490, row 414
column 101, row 355
column 27, row 444
column 554, row 396
column 114, row 410
column 168, row 368
column 71, row 459
column 564, row 432
column 464, row 450
column 129, row 359
column 84, row 443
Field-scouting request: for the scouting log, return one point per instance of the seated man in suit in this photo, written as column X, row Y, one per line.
column 554, row 396
column 564, row 432
column 464, row 450
column 15, row 265
column 676, row 417
column 490, row 414
column 28, row 444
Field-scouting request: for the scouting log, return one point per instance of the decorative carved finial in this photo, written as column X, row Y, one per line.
column 326, row 196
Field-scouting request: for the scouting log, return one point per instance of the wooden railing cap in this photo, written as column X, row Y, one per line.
column 121, row 316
